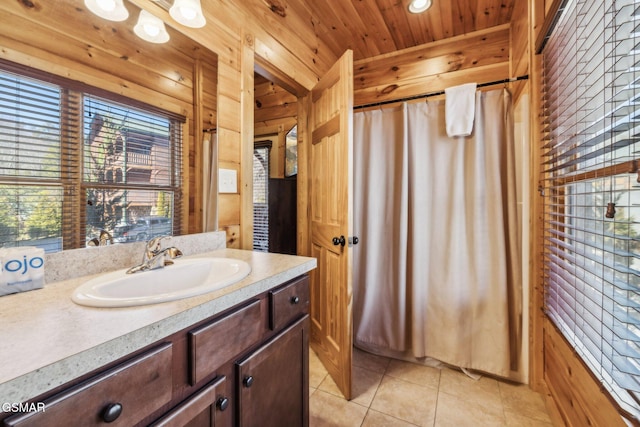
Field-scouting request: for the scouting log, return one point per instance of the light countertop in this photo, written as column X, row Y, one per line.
column 47, row 340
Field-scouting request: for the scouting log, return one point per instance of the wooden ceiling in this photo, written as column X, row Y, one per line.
column 375, row 27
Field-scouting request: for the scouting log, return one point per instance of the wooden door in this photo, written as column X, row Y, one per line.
column 326, row 170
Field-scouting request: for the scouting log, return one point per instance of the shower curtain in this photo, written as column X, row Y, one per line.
column 437, row 273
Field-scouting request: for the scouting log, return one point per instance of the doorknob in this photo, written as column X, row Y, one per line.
column 354, row 240
column 339, row 241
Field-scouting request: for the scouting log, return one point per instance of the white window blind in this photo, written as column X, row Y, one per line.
column 591, row 133
column 130, row 178
column 31, row 178
column 261, row 196
column 72, row 163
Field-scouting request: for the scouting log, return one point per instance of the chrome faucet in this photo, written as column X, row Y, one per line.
column 105, row 239
column 155, row 257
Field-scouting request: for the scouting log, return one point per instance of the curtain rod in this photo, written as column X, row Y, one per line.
column 212, row 130
column 427, row 95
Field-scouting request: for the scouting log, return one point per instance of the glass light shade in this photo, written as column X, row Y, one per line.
column 150, row 28
column 419, row 6
column 112, row 10
column 188, row 13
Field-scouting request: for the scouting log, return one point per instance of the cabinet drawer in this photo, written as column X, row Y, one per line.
column 130, row 390
column 200, row 409
column 288, row 302
column 215, row 343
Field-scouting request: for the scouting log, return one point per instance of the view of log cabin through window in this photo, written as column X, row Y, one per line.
column 75, row 164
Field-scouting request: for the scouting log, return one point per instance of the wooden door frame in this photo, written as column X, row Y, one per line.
column 263, row 67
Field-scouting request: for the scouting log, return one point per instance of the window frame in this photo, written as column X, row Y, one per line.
column 72, row 147
column 585, row 172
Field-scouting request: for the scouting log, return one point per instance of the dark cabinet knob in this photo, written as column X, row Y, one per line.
column 222, row 403
column 111, row 412
column 295, row 300
column 248, row 381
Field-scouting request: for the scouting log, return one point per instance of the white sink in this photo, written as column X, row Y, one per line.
column 187, row 277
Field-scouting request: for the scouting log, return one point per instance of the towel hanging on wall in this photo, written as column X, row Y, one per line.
column 460, row 108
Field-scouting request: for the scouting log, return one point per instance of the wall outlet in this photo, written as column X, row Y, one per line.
column 227, row 181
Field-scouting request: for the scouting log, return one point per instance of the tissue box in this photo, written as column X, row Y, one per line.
column 22, row 269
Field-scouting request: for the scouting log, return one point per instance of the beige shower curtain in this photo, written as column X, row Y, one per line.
column 437, row 273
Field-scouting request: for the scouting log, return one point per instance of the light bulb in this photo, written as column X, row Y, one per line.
column 188, row 13
column 106, row 5
column 113, row 10
column 419, row 6
column 151, row 30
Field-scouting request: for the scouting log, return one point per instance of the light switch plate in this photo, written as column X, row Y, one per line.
column 227, row 181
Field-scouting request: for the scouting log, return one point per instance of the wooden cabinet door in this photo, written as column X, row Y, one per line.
column 273, row 381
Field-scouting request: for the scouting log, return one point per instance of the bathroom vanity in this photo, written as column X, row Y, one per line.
column 237, row 356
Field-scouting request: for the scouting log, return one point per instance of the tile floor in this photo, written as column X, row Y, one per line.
column 393, row 393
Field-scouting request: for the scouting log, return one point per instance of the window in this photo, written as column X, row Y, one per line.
column 261, row 196
column 73, row 163
column 291, row 153
column 591, row 161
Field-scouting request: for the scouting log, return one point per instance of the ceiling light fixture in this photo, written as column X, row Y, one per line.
column 151, row 28
column 188, row 13
column 419, row 6
column 113, row 10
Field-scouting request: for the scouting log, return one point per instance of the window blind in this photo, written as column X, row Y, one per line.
column 72, row 163
column 130, row 157
column 261, row 197
column 33, row 116
column 591, row 190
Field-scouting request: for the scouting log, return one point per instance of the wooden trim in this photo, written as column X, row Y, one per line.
column 536, row 234
column 480, row 56
column 326, row 129
column 459, row 40
column 267, row 70
column 247, row 138
column 304, row 220
column 626, row 167
column 549, row 23
column 186, row 191
column 78, row 86
column 328, row 80
column 580, row 397
column 196, row 142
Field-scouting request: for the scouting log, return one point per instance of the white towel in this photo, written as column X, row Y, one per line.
column 460, row 108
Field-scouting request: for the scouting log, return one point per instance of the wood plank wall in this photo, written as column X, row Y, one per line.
column 481, row 56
